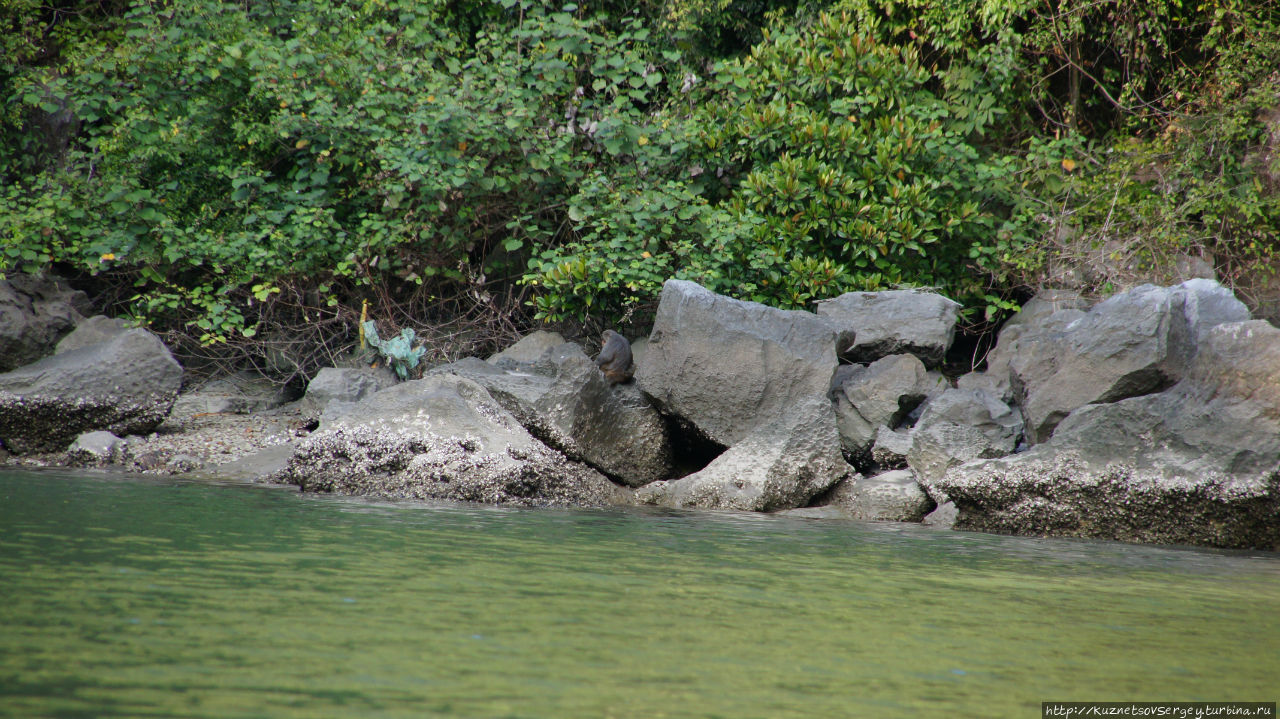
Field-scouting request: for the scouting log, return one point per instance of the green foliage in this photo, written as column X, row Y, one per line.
column 223, row 148
column 1205, row 186
column 633, row 236
column 398, row 351
column 848, row 152
column 821, row 163
column 208, row 154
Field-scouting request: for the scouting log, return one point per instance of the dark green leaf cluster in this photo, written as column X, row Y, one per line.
column 822, row 162
column 209, row 153
column 222, row 148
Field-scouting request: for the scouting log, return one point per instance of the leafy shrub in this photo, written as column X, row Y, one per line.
column 228, row 148
column 215, row 157
column 851, row 154
column 822, row 162
column 1199, row 185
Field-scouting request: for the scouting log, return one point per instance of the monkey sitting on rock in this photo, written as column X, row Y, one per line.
column 615, row 358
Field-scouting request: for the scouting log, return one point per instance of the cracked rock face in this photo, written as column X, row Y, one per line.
column 441, row 437
column 779, row 466
column 35, row 311
column 1134, row 343
column 124, row 385
column 1198, row 463
column 563, row 399
column 894, row 322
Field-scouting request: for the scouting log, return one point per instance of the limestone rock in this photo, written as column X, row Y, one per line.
column 890, row 449
column 259, row 466
column 124, row 385
column 343, row 384
column 1040, row 307
column 962, row 425
column 35, row 311
column 1207, row 304
column 998, row 377
column 565, row 401
column 892, row 496
column 877, row 396
column 1198, row 463
column 638, row 349
column 91, row 331
column 1134, row 343
column 780, row 465
column 942, row 517
column 992, row 384
column 529, row 348
column 440, row 437
column 728, row 366
column 242, row 393
column 95, row 449
column 894, row 322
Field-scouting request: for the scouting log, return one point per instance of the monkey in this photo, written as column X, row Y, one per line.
column 615, row 358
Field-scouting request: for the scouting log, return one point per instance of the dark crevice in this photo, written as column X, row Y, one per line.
column 691, row 449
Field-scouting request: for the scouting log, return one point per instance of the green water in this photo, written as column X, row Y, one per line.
column 124, row 596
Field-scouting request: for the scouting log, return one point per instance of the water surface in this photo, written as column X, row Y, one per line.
column 127, row 596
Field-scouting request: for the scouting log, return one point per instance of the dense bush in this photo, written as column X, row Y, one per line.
column 223, row 150
column 215, row 156
column 822, row 162
column 1162, row 110
column 1201, row 179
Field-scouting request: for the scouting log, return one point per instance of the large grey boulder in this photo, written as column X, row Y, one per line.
column 876, row 396
column 240, row 393
column 1063, row 306
column 1134, row 343
column 124, row 385
column 752, row 378
column 529, row 348
column 35, row 312
column 91, row 331
column 727, row 366
column 440, row 437
column 892, row 496
column 894, row 322
column 780, row 465
column 343, row 384
column 1198, row 463
column 998, row 377
column 1039, row 308
column 961, row 425
column 564, row 400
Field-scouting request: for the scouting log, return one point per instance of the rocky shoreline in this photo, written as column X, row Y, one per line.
column 1153, row 416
